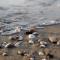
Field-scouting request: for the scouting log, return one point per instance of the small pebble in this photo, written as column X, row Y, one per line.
column 18, row 29
column 43, row 42
column 31, row 42
column 20, row 38
column 44, row 59
column 32, row 59
column 58, row 42
column 42, row 46
column 41, row 53
column 19, row 52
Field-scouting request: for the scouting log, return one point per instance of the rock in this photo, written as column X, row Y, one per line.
column 5, row 54
column 52, row 39
column 35, row 33
column 44, row 59
column 50, row 56
column 17, row 44
column 31, row 41
column 23, row 53
column 19, row 52
column 20, row 38
column 39, row 40
column 9, row 45
column 43, row 42
column 4, row 43
column 42, row 46
column 28, row 32
column 18, row 29
column 13, row 37
column 31, row 36
column 40, row 53
column 1, row 46
column 27, row 54
column 32, row 59
column 58, row 42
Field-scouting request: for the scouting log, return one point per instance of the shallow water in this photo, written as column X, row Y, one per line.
column 26, row 12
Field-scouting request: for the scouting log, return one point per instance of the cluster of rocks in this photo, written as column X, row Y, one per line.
column 32, row 36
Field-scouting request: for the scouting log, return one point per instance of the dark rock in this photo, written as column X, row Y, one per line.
column 9, row 45
column 50, row 56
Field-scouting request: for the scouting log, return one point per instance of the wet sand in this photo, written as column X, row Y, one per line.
column 54, row 49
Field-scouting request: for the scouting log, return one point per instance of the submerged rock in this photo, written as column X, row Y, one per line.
column 20, row 38
column 18, row 29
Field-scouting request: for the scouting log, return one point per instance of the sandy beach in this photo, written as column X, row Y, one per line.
column 34, row 48
column 20, row 41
